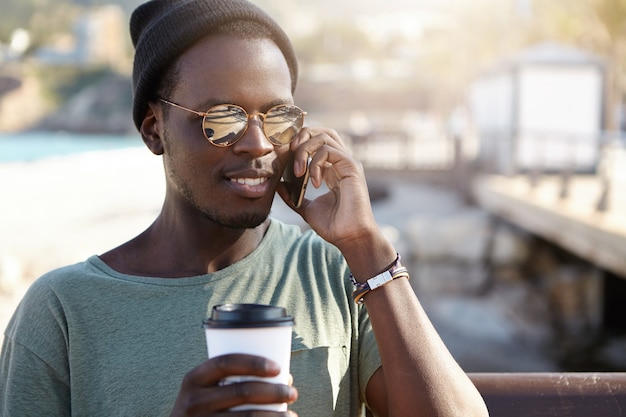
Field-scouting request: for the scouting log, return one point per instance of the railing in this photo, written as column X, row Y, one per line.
column 425, row 150
column 600, row 394
column 533, row 153
column 600, row 157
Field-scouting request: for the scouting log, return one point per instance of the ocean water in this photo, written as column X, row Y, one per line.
column 31, row 146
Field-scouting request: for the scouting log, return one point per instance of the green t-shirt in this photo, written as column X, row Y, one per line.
column 89, row 341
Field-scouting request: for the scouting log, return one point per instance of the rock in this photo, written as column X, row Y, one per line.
column 575, row 295
column 500, row 332
column 103, row 107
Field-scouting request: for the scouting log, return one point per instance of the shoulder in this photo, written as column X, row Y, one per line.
column 37, row 335
column 47, row 297
column 39, row 324
column 58, row 279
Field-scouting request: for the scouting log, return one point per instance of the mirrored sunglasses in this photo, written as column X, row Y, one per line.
column 225, row 124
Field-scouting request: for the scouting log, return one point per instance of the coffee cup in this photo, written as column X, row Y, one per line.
column 254, row 329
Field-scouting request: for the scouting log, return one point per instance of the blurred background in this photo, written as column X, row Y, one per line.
column 491, row 132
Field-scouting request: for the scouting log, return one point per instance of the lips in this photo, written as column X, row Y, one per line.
column 249, row 181
column 250, row 184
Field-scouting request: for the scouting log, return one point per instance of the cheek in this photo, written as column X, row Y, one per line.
column 186, row 157
column 186, row 141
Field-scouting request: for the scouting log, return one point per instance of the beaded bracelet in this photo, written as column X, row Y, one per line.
column 394, row 271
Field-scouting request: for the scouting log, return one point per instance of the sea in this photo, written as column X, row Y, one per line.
column 32, row 146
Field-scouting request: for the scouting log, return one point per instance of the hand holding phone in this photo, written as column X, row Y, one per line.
column 296, row 186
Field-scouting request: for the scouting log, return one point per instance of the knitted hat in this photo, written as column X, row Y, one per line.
column 161, row 30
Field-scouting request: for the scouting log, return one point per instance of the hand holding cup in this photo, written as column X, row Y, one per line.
column 252, row 329
column 203, row 392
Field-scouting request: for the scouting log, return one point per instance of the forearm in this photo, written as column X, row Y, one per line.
column 420, row 375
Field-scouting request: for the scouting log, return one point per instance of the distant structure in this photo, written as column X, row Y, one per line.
column 99, row 37
column 540, row 109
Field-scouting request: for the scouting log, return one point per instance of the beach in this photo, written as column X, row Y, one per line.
column 61, row 210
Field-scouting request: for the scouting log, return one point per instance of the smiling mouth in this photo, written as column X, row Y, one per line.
column 249, row 181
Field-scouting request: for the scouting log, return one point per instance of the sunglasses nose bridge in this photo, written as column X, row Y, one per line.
column 252, row 117
column 260, row 115
column 251, row 121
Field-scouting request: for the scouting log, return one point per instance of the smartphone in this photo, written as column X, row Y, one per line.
column 296, row 186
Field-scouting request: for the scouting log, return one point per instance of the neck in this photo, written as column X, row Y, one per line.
column 170, row 249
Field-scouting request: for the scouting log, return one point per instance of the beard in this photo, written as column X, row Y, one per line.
column 230, row 220
column 221, row 215
column 238, row 222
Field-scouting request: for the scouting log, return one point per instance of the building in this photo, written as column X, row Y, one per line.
column 540, row 109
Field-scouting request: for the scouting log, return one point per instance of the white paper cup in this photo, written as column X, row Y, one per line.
column 253, row 329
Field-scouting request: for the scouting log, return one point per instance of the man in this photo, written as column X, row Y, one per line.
column 120, row 335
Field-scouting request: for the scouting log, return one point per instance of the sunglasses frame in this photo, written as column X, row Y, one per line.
column 262, row 116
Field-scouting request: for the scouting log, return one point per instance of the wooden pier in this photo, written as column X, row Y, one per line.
column 571, row 217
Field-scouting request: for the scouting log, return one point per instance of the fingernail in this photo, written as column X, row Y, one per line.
column 296, row 167
column 272, row 367
column 293, row 394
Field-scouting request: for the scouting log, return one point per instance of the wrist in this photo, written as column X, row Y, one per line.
column 394, row 271
column 368, row 257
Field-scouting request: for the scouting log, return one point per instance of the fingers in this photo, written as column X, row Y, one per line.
column 309, row 142
column 204, row 390
column 325, row 147
column 224, row 397
column 313, row 134
column 214, row 370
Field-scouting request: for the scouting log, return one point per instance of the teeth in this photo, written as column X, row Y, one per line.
column 249, row 181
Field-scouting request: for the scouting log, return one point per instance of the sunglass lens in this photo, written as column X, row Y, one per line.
column 282, row 124
column 224, row 124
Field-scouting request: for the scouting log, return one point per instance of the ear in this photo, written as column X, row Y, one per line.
column 152, row 129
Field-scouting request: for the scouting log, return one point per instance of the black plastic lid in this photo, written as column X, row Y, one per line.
column 237, row 316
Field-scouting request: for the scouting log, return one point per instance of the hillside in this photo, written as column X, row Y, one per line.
column 44, row 18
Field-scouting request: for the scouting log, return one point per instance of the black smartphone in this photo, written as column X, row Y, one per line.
column 296, row 186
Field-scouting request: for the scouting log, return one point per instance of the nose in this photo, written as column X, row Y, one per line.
column 254, row 140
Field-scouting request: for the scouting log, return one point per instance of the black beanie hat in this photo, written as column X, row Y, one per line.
column 161, row 30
